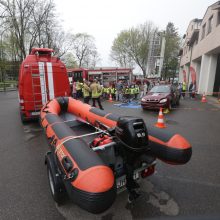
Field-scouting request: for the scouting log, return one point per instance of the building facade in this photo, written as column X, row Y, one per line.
column 200, row 55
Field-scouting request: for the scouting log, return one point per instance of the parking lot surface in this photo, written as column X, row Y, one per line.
column 191, row 190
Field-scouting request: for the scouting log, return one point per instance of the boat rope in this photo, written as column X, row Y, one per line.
column 76, row 137
column 80, row 136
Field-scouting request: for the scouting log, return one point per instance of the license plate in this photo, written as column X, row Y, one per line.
column 121, row 181
column 35, row 113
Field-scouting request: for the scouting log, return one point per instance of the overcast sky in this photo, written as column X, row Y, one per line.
column 104, row 19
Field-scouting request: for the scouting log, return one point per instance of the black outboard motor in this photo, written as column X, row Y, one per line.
column 132, row 134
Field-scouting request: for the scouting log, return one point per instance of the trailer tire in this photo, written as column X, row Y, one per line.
column 55, row 183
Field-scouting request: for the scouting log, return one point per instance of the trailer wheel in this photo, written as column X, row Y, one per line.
column 56, row 187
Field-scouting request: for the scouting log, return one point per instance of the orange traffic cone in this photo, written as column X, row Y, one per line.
column 203, row 98
column 110, row 98
column 160, row 122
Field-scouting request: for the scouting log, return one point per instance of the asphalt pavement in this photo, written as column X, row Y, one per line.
column 24, row 189
column 184, row 191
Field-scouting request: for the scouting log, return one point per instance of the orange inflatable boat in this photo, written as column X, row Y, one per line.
column 94, row 153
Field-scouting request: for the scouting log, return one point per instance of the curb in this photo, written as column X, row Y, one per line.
column 8, row 90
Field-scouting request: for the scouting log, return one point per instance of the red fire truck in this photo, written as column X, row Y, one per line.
column 104, row 74
column 42, row 77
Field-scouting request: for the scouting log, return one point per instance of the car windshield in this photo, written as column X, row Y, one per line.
column 160, row 89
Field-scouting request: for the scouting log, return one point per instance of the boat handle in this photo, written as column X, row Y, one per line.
column 104, row 146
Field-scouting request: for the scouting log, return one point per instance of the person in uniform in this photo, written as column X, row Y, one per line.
column 184, row 89
column 119, row 88
column 132, row 91
column 141, row 90
column 86, row 92
column 74, row 90
column 127, row 93
column 95, row 90
column 136, row 91
column 78, row 89
column 113, row 92
column 105, row 92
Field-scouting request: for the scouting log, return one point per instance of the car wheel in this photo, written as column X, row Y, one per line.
column 170, row 105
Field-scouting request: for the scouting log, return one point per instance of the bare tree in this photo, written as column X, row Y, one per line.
column 61, row 42
column 41, row 24
column 133, row 45
column 94, row 59
column 84, row 50
column 69, row 60
column 32, row 23
column 119, row 54
column 25, row 24
column 16, row 14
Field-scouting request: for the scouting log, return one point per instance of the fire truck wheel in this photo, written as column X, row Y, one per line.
column 23, row 119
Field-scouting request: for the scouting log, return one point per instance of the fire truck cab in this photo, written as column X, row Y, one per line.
column 42, row 77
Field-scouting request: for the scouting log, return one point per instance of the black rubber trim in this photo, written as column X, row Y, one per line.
column 84, row 156
column 113, row 117
column 67, row 163
column 174, row 155
column 92, row 202
column 52, row 118
column 61, row 130
column 163, row 135
column 63, row 102
column 98, row 112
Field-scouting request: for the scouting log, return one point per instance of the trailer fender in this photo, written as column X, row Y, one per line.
column 57, row 187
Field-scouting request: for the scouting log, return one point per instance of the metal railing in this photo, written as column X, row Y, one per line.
column 8, row 86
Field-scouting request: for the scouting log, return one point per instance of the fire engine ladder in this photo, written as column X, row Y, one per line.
column 38, row 87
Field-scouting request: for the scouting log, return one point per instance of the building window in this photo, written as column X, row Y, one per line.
column 210, row 25
column 203, row 31
column 218, row 18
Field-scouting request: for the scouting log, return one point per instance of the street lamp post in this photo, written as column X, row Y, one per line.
column 2, row 71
